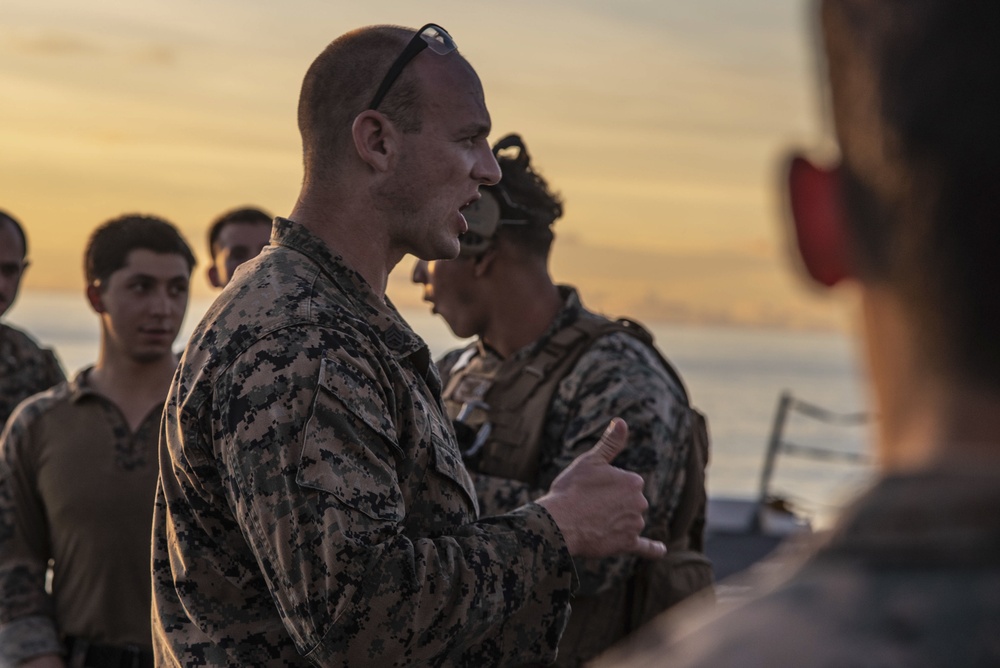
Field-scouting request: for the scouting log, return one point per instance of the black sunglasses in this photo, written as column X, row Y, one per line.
column 431, row 35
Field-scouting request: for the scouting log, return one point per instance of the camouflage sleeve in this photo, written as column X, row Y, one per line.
column 27, row 628
column 53, row 372
column 501, row 495
column 620, row 376
column 321, row 480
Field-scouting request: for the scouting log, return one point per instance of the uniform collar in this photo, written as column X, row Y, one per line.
column 571, row 310
column 379, row 312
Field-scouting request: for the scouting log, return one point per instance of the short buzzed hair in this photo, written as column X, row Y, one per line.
column 916, row 118
column 246, row 214
column 341, row 82
column 530, row 192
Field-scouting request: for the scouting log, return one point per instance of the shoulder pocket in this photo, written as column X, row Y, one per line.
column 349, row 443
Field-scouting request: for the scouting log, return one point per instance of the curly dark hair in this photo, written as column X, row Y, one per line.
column 530, row 194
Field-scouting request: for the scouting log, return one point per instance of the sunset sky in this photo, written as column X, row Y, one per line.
column 663, row 124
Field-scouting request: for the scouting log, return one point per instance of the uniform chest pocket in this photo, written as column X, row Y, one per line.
column 349, row 444
column 437, row 450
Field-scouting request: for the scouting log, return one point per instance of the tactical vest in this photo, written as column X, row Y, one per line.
column 499, row 408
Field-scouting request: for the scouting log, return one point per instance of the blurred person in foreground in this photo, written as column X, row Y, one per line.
column 25, row 368
column 78, row 466
column 313, row 508
column 234, row 237
column 911, row 574
column 534, row 390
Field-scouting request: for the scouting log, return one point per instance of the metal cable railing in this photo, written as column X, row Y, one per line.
column 776, row 444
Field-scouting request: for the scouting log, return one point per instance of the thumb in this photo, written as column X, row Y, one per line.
column 612, row 442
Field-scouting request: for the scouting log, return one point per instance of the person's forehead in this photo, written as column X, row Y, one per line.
column 10, row 241
column 146, row 262
column 242, row 230
column 451, row 87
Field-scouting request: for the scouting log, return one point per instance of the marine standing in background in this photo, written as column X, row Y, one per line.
column 78, row 467
column 535, row 389
column 235, row 237
column 313, row 507
column 910, row 576
column 25, row 368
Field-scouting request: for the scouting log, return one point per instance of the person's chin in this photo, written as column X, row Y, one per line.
column 151, row 354
column 450, row 249
column 443, row 250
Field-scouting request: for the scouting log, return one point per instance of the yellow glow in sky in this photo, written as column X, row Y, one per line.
column 661, row 124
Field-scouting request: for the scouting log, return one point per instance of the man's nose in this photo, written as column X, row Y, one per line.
column 420, row 272
column 161, row 303
column 487, row 170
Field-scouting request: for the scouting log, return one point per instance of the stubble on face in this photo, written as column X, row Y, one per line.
column 436, row 171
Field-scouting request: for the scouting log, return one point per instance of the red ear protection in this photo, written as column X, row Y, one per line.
column 814, row 195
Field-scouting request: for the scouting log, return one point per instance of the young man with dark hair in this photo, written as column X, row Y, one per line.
column 313, row 507
column 911, row 574
column 25, row 368
column 78, row 466
column 235, row 237
column 535, row 389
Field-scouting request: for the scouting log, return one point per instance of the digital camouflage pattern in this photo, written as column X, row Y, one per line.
column 25, row 369
column 313, row 508
column 909, row 577
column 618, row 376
column 76, row 487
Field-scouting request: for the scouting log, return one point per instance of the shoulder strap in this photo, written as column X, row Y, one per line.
column 520, row 396
column 636, row 329
column 522, row 392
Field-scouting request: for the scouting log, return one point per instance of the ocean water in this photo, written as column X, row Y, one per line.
column 734, row 375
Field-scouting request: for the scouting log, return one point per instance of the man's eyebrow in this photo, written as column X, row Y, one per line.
column 475, row 130
column 154, row 279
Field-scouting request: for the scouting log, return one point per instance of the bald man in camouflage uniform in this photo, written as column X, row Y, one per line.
column 535, row 389
column 313, row 508
column 25, row 368
column 910, row 576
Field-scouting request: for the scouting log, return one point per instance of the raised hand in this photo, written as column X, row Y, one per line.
column 598, row 507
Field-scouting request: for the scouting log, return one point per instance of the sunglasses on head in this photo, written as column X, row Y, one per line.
column 431, row 36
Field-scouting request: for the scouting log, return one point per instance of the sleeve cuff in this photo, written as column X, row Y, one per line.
column 565, row 561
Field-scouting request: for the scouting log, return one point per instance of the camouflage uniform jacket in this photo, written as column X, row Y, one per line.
column 618, row 376
column 76, row 487
column 25, row 369
column 909, row 577
column 313, row 507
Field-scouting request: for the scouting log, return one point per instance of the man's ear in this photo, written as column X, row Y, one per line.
column 213, row 277
column 818, row 218
column 375, row 139
column 95, row 298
